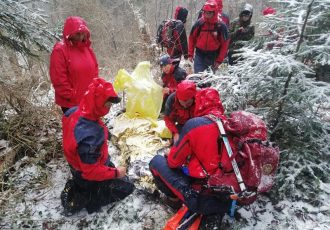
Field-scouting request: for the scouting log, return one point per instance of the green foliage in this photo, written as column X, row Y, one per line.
column 275, row 79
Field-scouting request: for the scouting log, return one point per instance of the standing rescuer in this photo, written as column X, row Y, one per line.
column 73, row 64
column 96, row 181
column 208, row 39
column 240, row 30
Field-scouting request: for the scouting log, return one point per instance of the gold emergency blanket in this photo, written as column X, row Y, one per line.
column 138, row 140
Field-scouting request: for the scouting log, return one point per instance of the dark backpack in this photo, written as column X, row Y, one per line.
column 165, row 33
column 257, row 158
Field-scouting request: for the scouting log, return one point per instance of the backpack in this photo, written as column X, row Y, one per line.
column 165, row 33
column 257, row 159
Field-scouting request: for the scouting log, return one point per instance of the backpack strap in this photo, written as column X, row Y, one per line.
column 229, row 150
column 220, row 27
column 200, row 23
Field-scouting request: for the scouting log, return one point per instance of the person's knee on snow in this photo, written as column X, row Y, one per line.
column 86, row 149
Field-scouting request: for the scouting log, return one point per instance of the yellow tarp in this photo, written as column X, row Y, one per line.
column 144, row 95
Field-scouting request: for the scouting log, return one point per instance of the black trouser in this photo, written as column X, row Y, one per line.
column 174, row 183
column 100, row 193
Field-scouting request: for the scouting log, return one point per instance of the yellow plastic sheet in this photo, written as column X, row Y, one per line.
column 144, row 95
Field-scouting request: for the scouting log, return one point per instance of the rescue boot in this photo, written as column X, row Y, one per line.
column 211, row 222
column 72, row 200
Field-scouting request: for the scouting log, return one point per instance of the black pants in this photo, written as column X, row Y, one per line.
column 100, row 193
column 174, row 183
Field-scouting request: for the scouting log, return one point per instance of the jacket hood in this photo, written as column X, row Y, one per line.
column 246, row 8
column 186, row 90
column 207, row 101
column 220, row 5
column 92, row 105
column 73, row 25
column 210, row 6
column 181, row 14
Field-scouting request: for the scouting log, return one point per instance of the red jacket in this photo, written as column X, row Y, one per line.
column 175, row 113
column 197, row 147
column 85, row 135
column 209, row 37
column 72, row 66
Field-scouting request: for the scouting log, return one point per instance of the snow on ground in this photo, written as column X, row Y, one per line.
column 35, row 203
column 39, row 206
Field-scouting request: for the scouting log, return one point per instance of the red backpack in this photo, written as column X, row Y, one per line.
column 165, row 33
column 257, row 159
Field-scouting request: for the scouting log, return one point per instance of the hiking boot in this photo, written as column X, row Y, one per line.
column 211, row 222
column 72, row 200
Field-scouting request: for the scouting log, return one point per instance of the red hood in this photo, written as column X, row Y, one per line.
column 92, row 104
column 220, row 5
column 186, row 90
column 73, row 25
column 211, row 5
column 207, row 101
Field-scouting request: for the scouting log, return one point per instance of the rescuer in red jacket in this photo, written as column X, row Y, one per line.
column 73, row 64
column 208, row 39
column 179, row 107
column 172, row 75
column 224, row 17
column 96, row 181
column 193, row 158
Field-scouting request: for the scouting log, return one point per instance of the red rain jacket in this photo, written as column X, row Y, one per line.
column 72, row 65
column 197, row 147
column 209, row 36
column 175, row 113
column 85, row 135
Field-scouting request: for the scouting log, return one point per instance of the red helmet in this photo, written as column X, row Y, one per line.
column 186, row 90
column 268, row 10
column 210, row 6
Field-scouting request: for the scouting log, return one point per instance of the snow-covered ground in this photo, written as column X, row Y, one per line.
column 36, row 204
